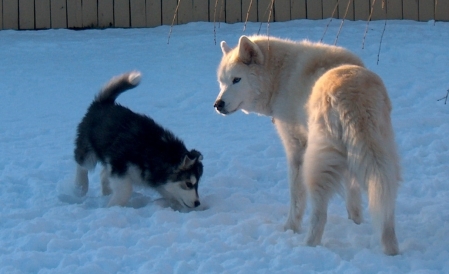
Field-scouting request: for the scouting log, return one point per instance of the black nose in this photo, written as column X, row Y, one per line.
column 197, row 203
column 219, row 105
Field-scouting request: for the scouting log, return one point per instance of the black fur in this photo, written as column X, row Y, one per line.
column 119, row 137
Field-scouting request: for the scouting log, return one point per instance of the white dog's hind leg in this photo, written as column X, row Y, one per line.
column 323, row 166
column 105, row 184
column 121, row 191
column 298, row 198
column 353, row 199
column 81, row 181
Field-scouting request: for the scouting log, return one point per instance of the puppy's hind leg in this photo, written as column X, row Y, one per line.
column 121, row 190
column 81, row 181
column 105, row 184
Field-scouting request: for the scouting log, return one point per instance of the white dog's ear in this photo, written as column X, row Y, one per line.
column 249, row 52
column 225, row 48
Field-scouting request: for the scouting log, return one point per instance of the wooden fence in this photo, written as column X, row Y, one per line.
column 79, row 14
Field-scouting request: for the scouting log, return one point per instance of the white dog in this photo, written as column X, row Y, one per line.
column 333, row 117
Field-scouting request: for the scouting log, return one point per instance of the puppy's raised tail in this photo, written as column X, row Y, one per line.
column 117, row 85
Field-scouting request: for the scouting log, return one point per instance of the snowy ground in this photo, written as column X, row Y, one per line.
column 48, row 78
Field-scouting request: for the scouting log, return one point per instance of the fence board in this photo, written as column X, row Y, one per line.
column 394, row 9
column 282, row 10
column 121, row 14
column 346, row 9
column 298, row 9
column 330, row 9
column 265, row 11
column 217, row 11
column 233, row 11
column 426, row 10
column 105, row 13
column 361, row 9
column 249, row 10
column 410, row 9
column 378, row 10
column 185, row 11
column 168, row 11
column 314, row 9
column 74, row 14
column 11, row 14
column 442, row 10
column 1, row 15
column 26, row 14
column 58, row 14
column 90, row 13
column 200, row 11
column 43, row 14
column 193, row 11
column 42, row 8
column 137, row 8
column 153, row 11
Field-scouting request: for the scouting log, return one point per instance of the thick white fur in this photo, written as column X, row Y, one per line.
column 333, row 117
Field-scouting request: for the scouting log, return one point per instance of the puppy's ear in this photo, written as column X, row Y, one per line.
column 195, row 154
column 190, row 158
column 225, row 48
column 186, row 163
column 249, row 52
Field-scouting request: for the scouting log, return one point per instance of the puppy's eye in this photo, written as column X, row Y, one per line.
column 189, row 185
column 236, row 80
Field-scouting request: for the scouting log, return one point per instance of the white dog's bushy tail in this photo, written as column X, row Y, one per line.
column 117, row 85
column 372, row 158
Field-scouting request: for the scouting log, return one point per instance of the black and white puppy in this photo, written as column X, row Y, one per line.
column 133, row 148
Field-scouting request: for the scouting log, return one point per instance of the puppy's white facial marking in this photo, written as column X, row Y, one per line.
column 181, row 193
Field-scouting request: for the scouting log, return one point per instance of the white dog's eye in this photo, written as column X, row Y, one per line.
column 189, row 185
column 236, row 80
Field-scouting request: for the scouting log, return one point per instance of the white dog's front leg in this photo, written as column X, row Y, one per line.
column 298, row 197
column 294, row 141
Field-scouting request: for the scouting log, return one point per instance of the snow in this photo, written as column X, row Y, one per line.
column 48, row 78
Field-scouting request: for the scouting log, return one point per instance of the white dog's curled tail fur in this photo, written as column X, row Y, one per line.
column 117, row 85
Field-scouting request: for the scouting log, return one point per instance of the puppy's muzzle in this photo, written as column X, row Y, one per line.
column 220, row 106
